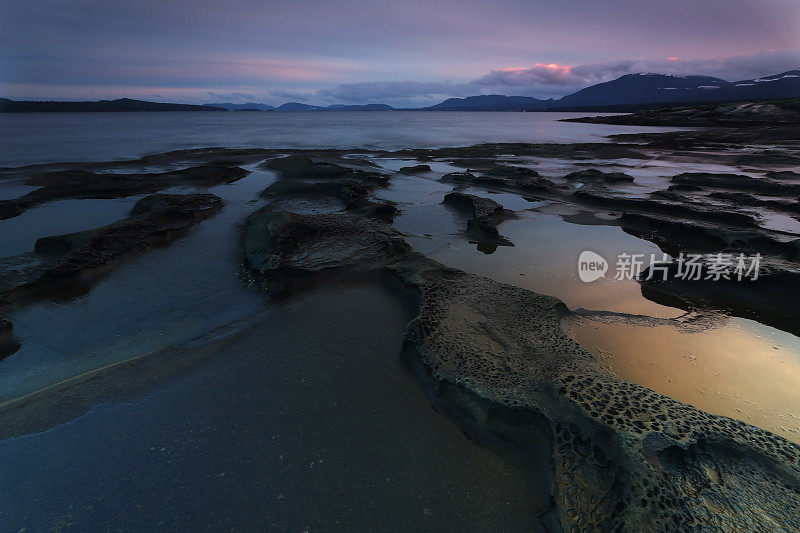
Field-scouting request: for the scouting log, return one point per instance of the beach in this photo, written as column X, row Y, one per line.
column 397, row 331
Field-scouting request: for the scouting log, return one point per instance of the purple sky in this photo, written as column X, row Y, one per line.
column 404, row 53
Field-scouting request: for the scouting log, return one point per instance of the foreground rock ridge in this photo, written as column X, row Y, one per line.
column 65, row 266
column 623, row 457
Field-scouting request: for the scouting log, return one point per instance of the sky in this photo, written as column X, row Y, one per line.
column 402, row 53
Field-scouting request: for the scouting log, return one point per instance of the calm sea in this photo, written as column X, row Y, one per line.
column 49, row 137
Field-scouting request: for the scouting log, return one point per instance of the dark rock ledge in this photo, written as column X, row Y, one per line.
column 484, row 216
column 8, row 344
column 64, row 266
column 63, row 184
column 624, row 458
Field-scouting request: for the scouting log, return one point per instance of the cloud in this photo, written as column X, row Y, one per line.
column 552, row 80
column 251, row 46
column 732, row 68
column 539, row 74
column 397, row 93
column 231, row 97
column 295, row 96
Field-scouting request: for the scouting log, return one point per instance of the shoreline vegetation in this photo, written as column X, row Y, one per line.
column 492, row 356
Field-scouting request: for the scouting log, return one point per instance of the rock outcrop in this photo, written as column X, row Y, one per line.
column 64, row 184
column 73, row 260
column 8, row 344
column 504, row 178
column 592, row 175
column 624, row 458
column 484, row 216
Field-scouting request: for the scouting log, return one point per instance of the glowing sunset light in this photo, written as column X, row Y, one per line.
column 550, row 66
column 359, row 51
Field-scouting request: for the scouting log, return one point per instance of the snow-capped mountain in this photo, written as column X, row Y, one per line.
column 648, row 88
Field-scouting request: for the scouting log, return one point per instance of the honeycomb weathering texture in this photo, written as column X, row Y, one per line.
column 623, row 457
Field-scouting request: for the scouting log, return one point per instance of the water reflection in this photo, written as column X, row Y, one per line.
column 739, row 368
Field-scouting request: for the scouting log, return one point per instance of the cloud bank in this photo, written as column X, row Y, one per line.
column 551, row 80
column 406, row 52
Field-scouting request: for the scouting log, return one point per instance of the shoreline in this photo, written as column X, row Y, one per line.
column 498, row 356
column 493, row 355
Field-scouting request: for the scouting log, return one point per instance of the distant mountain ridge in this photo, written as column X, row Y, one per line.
column 364, row 107
column 491, row 102
column 252, row 106
column 626, row 93
column 103, row 106
column 641, row 89
column 297, row 106
column 664, row 88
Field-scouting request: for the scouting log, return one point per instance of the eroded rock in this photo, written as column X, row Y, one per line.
column 484, row 216
column 301, row 167
column 601, row 196
column 8, row 344
column 77, row 183
column 352, row 195
column 625, row 457
column 783, row 175
column 75, row 259
column 735, row 182
column 289, row 250
column 416, row 169
column 676, row 236
column 514, row 179
column 592, row 175
column 770, row 298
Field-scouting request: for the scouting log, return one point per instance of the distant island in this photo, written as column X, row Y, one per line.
column 297, row 106
column 628, row 93
column 103, row 106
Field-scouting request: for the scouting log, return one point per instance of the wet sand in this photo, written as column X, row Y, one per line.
column 304, row 419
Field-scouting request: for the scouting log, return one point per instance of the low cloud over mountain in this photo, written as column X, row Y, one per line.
column 553, row 80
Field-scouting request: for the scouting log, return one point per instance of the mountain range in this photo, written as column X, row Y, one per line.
column 297, row 106
column 626, row 93
column 634, row 91
column 102, row 106
column 660, row 88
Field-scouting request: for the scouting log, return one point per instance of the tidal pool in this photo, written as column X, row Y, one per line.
column 728, row 365
column 731, row 366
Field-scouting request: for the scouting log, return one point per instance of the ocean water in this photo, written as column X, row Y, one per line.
column 29, row 138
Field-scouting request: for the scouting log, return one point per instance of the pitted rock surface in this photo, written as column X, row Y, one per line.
column 625, row 457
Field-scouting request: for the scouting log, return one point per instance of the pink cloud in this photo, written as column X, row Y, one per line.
column 539, row 73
